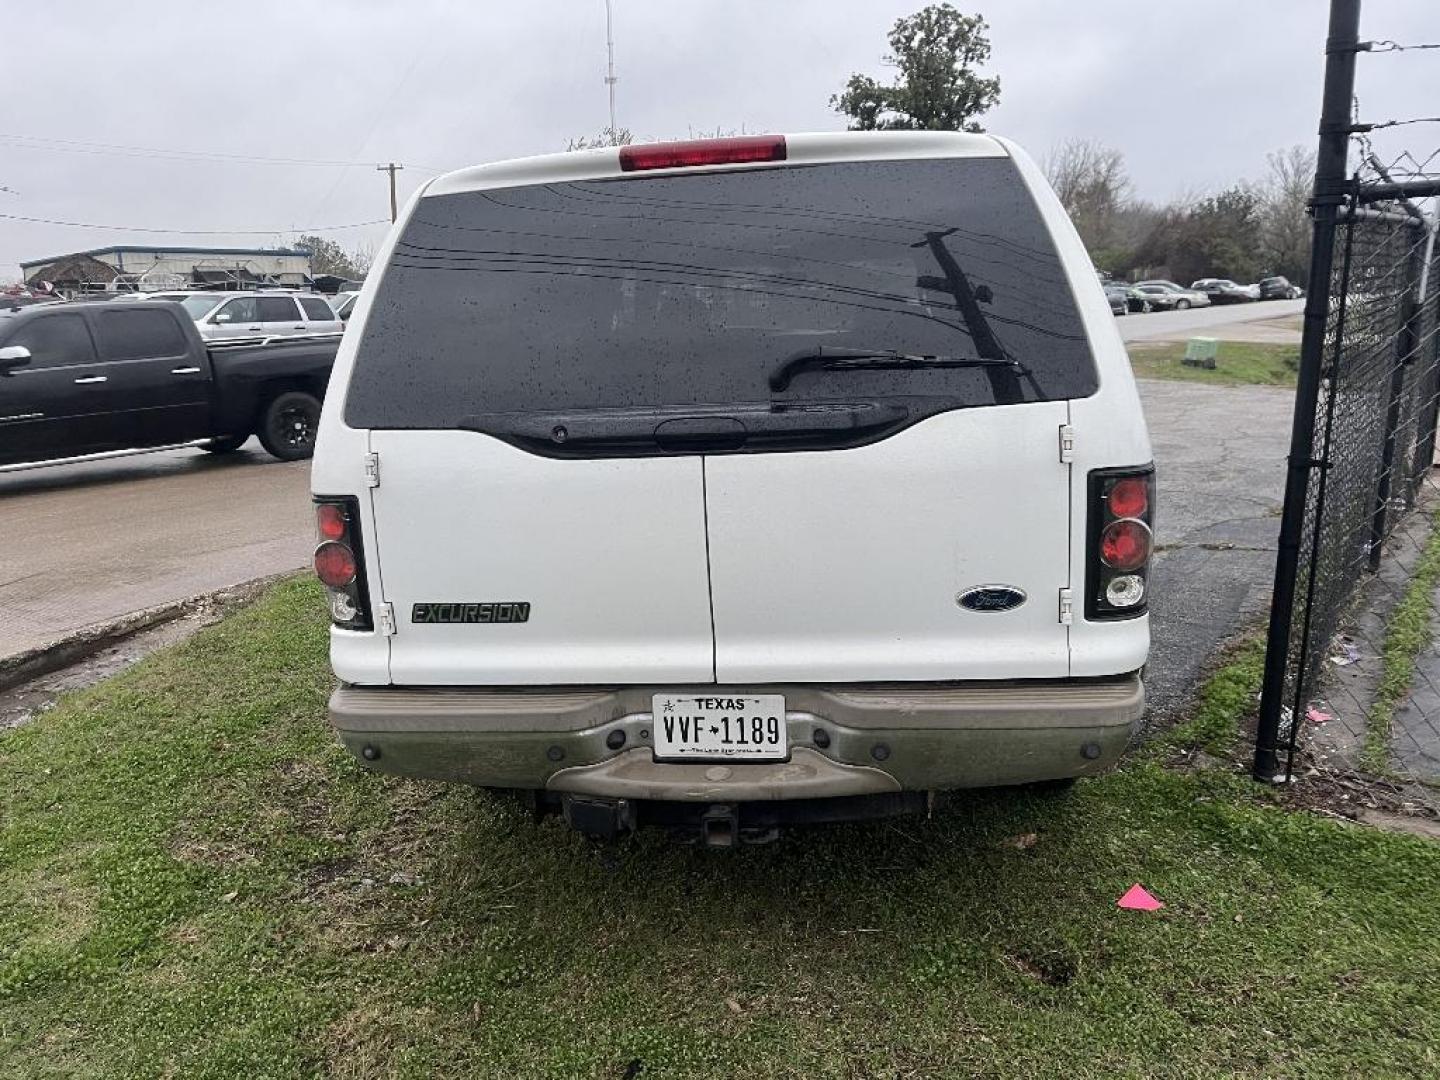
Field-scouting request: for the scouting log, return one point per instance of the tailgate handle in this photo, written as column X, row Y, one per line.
column 701, row 433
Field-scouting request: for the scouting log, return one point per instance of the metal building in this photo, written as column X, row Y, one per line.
column 130, row 267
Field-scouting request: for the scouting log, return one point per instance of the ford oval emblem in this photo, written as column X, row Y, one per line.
column 991, row 598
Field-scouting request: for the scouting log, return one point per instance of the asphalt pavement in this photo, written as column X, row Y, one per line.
column 1219, row 320
column 82, row 545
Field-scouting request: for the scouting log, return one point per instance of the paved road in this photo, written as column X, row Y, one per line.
column 1216, row 321
column 86, row 544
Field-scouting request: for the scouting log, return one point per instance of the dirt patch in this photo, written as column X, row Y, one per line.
column 1053, row 967
column 1415, row 826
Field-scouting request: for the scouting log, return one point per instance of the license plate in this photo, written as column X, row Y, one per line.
column 751, row 727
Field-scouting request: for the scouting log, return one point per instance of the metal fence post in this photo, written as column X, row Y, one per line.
column 1341, row 46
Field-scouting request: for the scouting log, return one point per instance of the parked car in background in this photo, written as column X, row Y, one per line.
column 344, row 303
column 1225, row 291
column 715, row 658
column 1119, row 297
column 1279, row 288
column 84, row 379
column 268, row 314
column 1192, row 297
column 197, row 303
column 1154, row 298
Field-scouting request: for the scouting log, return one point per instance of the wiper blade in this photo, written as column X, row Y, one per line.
column 839, row 359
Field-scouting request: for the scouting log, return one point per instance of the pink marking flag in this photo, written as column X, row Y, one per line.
column 1137, row 899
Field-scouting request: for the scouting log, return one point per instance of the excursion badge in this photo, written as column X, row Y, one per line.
column 493, row 611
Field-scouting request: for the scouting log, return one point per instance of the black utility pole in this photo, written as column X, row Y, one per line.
column 392, row 168
column 1331, row 163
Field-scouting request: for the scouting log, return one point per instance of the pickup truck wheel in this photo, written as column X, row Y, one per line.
column 288, row 425
column 226, row 444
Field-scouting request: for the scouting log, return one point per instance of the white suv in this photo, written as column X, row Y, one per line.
column 735, row 483
column 267, row 314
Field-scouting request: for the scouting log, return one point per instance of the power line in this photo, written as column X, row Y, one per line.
column 196, row 232
column 379, row 114
column 76, row 146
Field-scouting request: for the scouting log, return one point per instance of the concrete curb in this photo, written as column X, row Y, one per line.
column 84, row 643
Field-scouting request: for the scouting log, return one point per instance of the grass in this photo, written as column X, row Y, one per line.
column 1239, row 363
column 1223, row 700
column 1407, row 633
column 196, row 882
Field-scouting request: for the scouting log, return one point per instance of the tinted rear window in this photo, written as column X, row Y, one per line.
column 276, row 309
column 317, row 309
column 136, row 334
column 691, row 290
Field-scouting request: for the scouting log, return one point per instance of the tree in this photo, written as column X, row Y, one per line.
column 608, row 137
column 1284, row 223
column 937, row 51
column 1214, row 236
column 362, row 258
column 1091, row 182
column 328, row 257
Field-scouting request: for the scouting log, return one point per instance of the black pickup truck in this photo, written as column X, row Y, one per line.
column 82, row 379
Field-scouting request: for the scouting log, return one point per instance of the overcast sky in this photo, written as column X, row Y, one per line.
column 1194, row 93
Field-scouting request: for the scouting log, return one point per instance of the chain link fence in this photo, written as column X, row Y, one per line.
column 1352, row 692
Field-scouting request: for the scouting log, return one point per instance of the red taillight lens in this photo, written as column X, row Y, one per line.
column 330, row 520
column 1125, row 545
column 335, row 564
column 1130, row 498
column 680, row 155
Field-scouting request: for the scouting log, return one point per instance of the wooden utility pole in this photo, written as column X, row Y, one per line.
column 392, row 168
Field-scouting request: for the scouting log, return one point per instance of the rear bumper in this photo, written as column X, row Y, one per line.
column 852, row 740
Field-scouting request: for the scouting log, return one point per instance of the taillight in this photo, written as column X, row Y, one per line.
column 330, row 520
column 1125, row 545
column 339, row 563
column 335, row 564
column 739, row 150
column 1121, row 541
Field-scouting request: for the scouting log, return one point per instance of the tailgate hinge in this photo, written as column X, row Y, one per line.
column 1067, row 444
column 1067, row 606
column 372, row 470
column 385, row 616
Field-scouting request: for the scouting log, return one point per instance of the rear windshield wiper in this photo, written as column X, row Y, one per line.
column 827, row 358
